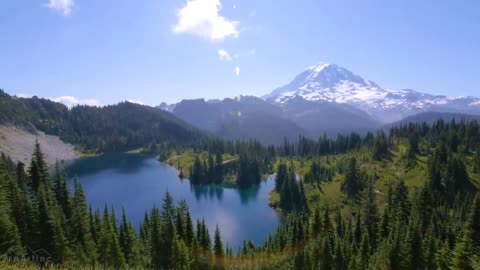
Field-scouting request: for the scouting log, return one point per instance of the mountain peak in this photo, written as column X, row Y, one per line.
column 328, row 75
column 319, row 67
column 326, row 82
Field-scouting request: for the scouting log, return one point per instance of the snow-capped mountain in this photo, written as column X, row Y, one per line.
column 331, row 83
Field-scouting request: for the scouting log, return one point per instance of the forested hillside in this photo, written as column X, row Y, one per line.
column 406, row 199
column 120, row 127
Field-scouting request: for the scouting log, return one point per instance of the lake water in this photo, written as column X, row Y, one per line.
column 138, row 182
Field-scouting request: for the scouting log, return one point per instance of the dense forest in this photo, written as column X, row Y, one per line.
column 406, row 199
column 113, row 128
column 38, row 212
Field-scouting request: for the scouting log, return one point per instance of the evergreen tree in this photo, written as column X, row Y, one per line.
column 129, row 242
column 218, row 250
column 80, row 227
column 476, row 161
column 61, row 192
column 21, row 176
column 10, row 242
column 369, row 213
column 381, row 145
column 351, row 182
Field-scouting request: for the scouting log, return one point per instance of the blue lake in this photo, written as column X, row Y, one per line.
column 137, row 182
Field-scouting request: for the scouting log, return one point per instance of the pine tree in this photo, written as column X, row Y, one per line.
column 476, row 161
column 167, row 206
column 361, row 259
column 181, row 254
column 168, row 241
column 351, row 183
column 180, row 223
column 369, row 213
column 380, row 147
column 457, row 178
column 281, row 176
column 35, row 175
column 80, row 227
column 434, row 174
column 326, row 256
column 129, row 243
column 39, row 158
column 51, row 235
column 10, row 242
column 61, row 192
column 443, row 256
column 473, row 221
column 156, row 247
column 219, row 252
column 189, row 231
column 400, row 202
column 463, row 253
column 21, row 176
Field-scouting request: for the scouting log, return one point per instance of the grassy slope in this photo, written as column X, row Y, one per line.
column 387, row 171
column 184, row 160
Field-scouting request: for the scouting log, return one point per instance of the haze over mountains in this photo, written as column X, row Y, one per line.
column 322, row 99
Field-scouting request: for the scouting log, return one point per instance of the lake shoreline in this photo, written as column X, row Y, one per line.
column 139, row 181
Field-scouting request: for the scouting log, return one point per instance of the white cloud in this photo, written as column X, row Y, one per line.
column 71, row 101
column 62, row 6
column 202, row 18
column 224, row 55
column 237, row 71
column 136, row 101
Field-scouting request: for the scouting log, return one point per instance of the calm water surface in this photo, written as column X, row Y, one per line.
column 138, row 182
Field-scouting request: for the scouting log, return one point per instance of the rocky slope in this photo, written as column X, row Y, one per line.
column 18, row 143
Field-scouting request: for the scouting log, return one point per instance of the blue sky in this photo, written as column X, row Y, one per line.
column 104, row 51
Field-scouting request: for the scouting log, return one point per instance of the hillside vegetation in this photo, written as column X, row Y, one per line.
column 120, row 127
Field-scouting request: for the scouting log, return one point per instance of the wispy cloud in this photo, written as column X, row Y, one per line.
column 224, row 55
column 63, row 6
column 245, row 53
column 237, row 71
column 202, row 18
column 71, row 101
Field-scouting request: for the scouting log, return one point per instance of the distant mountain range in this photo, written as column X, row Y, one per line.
column 323, row 99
